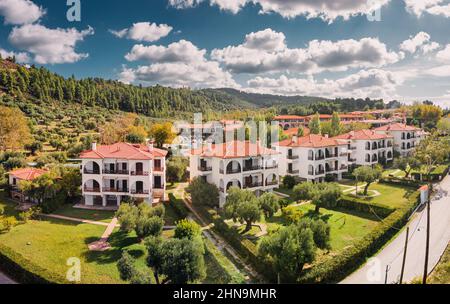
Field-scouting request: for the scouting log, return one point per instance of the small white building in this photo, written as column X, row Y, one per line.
column 313, row 157
column 236, row 163
column 406, row 138
column 112, row 173
column 367, row 147
column 19, row 175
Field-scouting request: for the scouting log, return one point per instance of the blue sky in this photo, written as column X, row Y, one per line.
column 327, row 48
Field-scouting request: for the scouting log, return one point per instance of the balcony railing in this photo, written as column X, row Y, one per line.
column 118, row 190
column 158, row 169
column 92, row 189
column 344, row 167
column 352, row 148
column 253, row 185
column 293, row 171
column 272, row 183
column 330, row 155
column 292, row 157
column 272, row 167
column 252, row 168
column 88, row 171
column 320, row 172
column 330, row 170
column 119, row 172
column 320, row 157
column 343, row 154
column 352, row 160
column 139, row 173
column 231, row 171
column 160, row 187
column 204, row 169
column 140, row 192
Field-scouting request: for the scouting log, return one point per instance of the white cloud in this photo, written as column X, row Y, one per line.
column 366, row 83
column 272, row 55
column 440, row 71
column 49, row 46
column 444, row 55
column 144, row 31
column 326, row 9
column 180, row 64
column 419, row 42
column 20, row 11
column 20, row 57
column 433, row 7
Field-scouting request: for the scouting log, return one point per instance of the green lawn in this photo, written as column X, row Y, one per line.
column 391, row 195
column 93, row 215
column 441, row 274
column 394, row 172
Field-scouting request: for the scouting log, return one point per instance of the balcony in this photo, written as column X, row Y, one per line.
column 139, row 173
column 272, row 183
column 352, row 160
column 118, row 172
column 115, row 190
column 320, row 172
column 253, row 185
column 158, row 169
column 88, row 171
column 252, row 168
column 344, row 167
column 328, row 170
column 272, row 167
column 160, row 187
column 320, row 157
column 343, row 154
column 352, row 148
column 143, row 192
column 92, row 189
column 204, row 169
column 291, row 171
column 292, row 157
column 330, row 155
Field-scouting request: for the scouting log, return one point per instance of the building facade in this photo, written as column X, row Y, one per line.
column 112, row 173
column 366, row 147
column 19, row 175
column 406, row 138
column 237, row 163
column 313, row 157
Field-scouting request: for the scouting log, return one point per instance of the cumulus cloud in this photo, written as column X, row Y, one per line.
column 440, row 71
column 144, row 31
column 20, row 11
column 420, row 42
column 273, row 55
column 444, row 55
column 326, row 9
column 20, row 57
column 365, row 83
column 180, row 64
column 433, row 7
column 49, row 46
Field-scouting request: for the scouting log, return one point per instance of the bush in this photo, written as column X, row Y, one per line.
column 7, row 223
column 292, row 214
column 352, row 203
column 289, row 182
column 187, row 229
column 401, row 182
column 178, row 205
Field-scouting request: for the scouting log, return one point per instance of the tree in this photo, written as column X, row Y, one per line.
column 290, row 249
column 321, row 231
column 126, row 267
column 176, row 169
column 304, row 191
column 155, row 256
column 187, row 229
column 144, row 219
column 269, row 204
column 314, row 125
column 368, row 175
column 407, row 164
column 289, row 182
column 336, row 127
column 136, row 135
column 149, row 226
column 432, row 151
column 127, row 216
column 162, row 134
column 235, row 196
column 300, row 132
column 443, row 126
column 203, row 193
column 34, row 147
column 326, row 195
column 249, row 212
column 14, row 130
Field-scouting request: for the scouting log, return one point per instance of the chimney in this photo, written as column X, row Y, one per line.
column 294, row 139
column 327, row 136
column 150, row 146
column 210, row 146
column 94, row 146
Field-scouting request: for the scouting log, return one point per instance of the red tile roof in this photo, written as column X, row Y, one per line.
column 363, row 135
column 234, row 149
column 27, row 173
column 294, row 131
column 289, row 117
column 123, row 151
column 311, row 141
column 397, row 127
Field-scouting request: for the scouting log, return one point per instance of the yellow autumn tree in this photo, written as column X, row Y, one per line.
column 162, row 134
column 14, row 129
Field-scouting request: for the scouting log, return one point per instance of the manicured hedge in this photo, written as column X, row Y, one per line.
column 352, row 203
column 401, row 182
column 438, row 174
column 24, row 271
column 338, row 267
column 179, row 206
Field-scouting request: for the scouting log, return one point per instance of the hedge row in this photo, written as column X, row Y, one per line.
column 339, row 267
column 438, row 174
column 179, row 206
column 352, row 203
column 401, row 182
column 24, row 271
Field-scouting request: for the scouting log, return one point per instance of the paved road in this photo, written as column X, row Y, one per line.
column 374, row 271
column 5, row 280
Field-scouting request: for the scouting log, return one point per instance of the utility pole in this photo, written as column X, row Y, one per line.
column 404, row 255
column 386, row 276
column 427, row 246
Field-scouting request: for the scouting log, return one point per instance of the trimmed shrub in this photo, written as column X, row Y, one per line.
column 352, row 203
column 178, row 205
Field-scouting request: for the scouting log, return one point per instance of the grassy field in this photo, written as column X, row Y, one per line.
column 441, row 274
column 93, row 215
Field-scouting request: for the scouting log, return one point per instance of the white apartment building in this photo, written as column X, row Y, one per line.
column 406, row 138
column 114, row 172
column 366, row 147
column 313, row 157
column 236, row 163
column 290, row 121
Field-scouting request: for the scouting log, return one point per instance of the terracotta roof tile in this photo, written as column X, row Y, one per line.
column 311, row 141
column 123, row 151
column 397, row 127
column 363, row 135
column 28, row 173
column 234, row 149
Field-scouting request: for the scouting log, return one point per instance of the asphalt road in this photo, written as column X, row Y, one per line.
column 374, row 271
